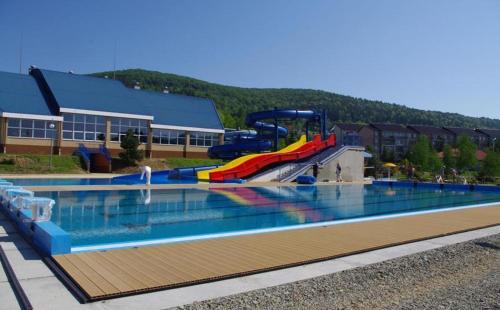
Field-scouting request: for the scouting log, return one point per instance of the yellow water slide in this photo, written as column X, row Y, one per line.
column 205, row 175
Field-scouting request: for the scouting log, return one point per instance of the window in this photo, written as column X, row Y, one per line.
column 204, row 139
column 120, row 126
column 164, row 136
column 30, row 128
column 84, row 127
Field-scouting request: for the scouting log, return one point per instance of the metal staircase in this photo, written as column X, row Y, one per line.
column 319, row 159
column 84, row 153
column 289, row 171
column 95, row 159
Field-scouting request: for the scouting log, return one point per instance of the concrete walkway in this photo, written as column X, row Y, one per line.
column 45, row 291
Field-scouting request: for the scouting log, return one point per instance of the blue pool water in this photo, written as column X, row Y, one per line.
column 93, row 181
column 58, row 182
column 94, row 218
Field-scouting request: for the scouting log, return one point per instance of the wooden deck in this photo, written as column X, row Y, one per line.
column 115, row 273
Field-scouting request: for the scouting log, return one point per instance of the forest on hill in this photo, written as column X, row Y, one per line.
column 234, row 103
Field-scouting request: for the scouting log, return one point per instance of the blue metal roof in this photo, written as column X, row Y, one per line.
column 19, row 93
column 73, row 91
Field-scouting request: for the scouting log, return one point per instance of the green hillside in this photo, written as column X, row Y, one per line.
column 233, row 103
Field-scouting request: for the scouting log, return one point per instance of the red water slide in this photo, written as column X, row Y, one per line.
column 256, row 164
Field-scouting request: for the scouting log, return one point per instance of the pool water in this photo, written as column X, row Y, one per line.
column 93, row 181
column 59, row 182
column 96, row 218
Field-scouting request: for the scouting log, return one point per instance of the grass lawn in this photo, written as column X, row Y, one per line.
column 162, row 164
column 38, row 164
column 177, row 162
column 65, row 164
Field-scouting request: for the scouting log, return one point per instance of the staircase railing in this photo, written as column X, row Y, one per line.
column 301, row 167
column 320, row 159
column 104, row 151
column 84, row 153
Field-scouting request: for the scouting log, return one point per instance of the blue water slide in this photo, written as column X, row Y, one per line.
column 255, row 120
column 246, row 141
column 157, row 177
column 266, row 130
column 235, row 149
column 189, row 172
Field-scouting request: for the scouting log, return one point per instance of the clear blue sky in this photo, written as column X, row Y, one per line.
column 429, row 54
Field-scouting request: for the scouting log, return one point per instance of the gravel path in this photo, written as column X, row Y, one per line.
column 461, row 276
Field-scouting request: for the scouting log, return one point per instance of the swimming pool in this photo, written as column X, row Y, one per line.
column 91, row 181
column 106, row 219
column 59, row 181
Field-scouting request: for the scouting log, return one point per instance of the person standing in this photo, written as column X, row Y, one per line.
column 339, row 173
column 409, row 171
column 455, row 174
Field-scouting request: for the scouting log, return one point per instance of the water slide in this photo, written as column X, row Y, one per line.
column 249, row 142
column 244, row 142
column 174, row 176
column 205, row 175
column 238, row 147
column 157, row 177
column 248, row 165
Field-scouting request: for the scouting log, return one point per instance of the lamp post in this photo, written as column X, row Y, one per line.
column 494, row 142
column 51, row 127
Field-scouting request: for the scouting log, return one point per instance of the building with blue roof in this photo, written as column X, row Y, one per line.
column 60, row 111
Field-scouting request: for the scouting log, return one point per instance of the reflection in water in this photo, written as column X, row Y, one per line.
column 146, row 196
column 101, row 217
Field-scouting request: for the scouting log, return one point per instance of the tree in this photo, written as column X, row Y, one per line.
column 423, row 155
column 420, row 152
column 449, row 159
column 130, row 145
column 491, row 165
column 234, row 103
column 434, row 162
column 466, row 153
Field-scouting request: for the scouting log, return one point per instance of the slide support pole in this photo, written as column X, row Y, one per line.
column 276, row 136
column 323, row 123
column 307, row 131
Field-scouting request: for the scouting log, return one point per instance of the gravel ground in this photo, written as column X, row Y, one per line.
column 461, row 276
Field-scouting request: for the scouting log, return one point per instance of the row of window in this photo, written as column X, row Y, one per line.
column 120, row 127
column 175, row 137
column 203, row 139
column 30, row 128
column 84, row 127
column 93, row 128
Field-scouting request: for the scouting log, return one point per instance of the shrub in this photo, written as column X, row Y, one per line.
column 491, row 165
column 130, row 145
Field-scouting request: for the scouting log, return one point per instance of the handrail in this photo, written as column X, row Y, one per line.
column 255, row 164
column 104, row 151
column 302, row 167
column 85, row 154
